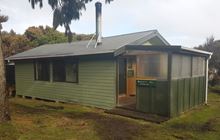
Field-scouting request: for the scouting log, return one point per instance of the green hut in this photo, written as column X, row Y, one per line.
column 138, row 71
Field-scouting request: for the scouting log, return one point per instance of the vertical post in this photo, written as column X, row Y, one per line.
column 206, row 78
column 117, row 80
column 191, row 66
column 191, row 81
column 36, row 70
column 169, row 78
column 169, row 75
column 51, row 71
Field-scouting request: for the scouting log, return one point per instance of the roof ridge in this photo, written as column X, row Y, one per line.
column 78, row 41
column 154, row 30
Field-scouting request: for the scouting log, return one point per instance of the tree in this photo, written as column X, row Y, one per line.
column 40, row 35
column 13, row 43
column 212, row 45
column 4, row 105
column 64, row 11
column 32, row 33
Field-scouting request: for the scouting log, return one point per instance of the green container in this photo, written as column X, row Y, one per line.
column 146, row 83
column 152, row 96
column 172, row 98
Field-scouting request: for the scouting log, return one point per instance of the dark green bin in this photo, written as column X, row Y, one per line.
column 172, row 98
column 152, row 97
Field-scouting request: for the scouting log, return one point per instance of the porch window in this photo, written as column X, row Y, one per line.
column 198, row 68
column 152, row 65
column 42, row 70
column 181, row 66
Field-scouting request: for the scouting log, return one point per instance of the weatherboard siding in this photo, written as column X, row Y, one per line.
column 186, row 93
column 96, row 87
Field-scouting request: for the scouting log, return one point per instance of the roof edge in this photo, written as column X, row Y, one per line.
column 172, row 48
column 57, row 56
column 153, row 34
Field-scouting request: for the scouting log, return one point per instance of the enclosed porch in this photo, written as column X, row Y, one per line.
column 162, row 80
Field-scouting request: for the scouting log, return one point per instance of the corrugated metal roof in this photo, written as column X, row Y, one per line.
column 132, row 49
column 109, row 45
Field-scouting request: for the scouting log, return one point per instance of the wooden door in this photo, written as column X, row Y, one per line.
column 131, row 76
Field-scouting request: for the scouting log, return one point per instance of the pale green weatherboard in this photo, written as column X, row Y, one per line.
column 96, row 87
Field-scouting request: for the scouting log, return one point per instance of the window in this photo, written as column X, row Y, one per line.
column 198, row 66
column 42, row 70
column 59, row 71
column 65, row 71
column 181, row 66
column 130, row 63
column 62, row 70
column 72, row 71
column 153, row 65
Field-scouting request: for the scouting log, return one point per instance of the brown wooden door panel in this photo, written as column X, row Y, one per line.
column 131, row 76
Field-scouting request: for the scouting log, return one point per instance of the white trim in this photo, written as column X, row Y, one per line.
column 87, row 46
column 206, row 87
column 196, row 50
column 162, row 38
column 144, row 39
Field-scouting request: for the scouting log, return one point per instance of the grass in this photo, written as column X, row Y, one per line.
column 39, row 120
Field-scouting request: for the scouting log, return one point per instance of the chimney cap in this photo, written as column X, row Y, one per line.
column 98, row 3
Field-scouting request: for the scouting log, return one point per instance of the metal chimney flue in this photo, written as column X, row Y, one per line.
column 98, row 6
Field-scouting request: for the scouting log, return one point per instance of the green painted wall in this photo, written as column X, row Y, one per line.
column 186, row 93
column 171, row 99
column 154, row 100
column 96, row 87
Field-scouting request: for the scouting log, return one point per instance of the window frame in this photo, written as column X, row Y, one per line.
column 76, row 61
column 199, row 60
column 51, row 71
column 161, row 75
column 65, row 61
column 36, row 77
column 62, row 61
column 180, row 73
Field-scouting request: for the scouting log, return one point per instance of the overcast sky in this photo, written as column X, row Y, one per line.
column 181, row 22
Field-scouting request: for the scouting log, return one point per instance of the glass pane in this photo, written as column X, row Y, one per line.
column 202, row 66
column 195, row 66
column 198, row 66
column 186, row 67
column 152, row 65
column 71, row 71
column 176, row 66
column 129, row 63
column 181, row 66
column 59, row 71
column 42, row 71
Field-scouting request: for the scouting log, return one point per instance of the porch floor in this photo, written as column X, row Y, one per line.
column 137, row 115
column 127, row 108
column 127, row 102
